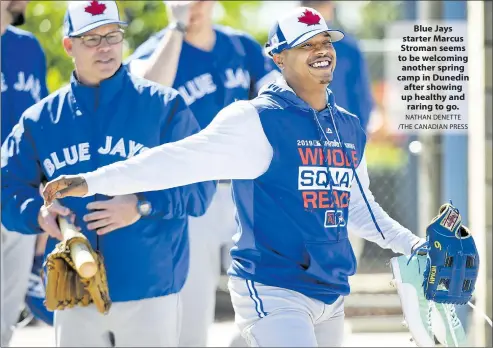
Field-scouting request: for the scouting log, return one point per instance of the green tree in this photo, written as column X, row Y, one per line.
column 45, row 20
column 376, row 16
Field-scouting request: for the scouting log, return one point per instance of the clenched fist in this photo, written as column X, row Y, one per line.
column 64, row 186
column 179, row 11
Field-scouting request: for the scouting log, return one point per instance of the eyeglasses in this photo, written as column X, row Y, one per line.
column 94, row 40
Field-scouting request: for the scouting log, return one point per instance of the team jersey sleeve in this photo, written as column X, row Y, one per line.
column 21, row 177
column 361, row 223
column 233, row 146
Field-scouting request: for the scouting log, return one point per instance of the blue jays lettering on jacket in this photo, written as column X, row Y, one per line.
column 234, row 70
column 23, row 75
column 81, row 128
column 293, row 230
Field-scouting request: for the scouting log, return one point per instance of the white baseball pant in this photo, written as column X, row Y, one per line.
column 269, row 316
column 357, row 243
column 153, row 322
column 206, row 233
column 17, row 260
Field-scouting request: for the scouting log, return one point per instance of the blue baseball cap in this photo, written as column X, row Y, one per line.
column 296, row 27
column 84, row 16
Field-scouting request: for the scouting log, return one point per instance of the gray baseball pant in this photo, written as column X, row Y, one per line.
column 153, row 322
column 17, row 260
column 206, row 233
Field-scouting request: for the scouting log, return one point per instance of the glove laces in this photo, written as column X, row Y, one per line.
column 423, row 249
column 452, row 316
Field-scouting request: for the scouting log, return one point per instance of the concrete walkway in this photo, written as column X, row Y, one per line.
column 221, row 334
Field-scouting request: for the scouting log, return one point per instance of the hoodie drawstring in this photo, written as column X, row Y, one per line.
column 339, row 137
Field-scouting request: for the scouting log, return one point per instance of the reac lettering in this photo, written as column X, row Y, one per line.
column 321, row 199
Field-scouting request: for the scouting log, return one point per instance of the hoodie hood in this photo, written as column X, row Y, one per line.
column 280, row 90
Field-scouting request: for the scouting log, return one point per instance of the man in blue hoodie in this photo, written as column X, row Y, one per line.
column 211, row 66
column 103, row 116
column 23, row 80
column 351, row 84
column 300, row 181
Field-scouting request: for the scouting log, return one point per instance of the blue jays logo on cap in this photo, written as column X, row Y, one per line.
column 83, row 16
column 296, row 27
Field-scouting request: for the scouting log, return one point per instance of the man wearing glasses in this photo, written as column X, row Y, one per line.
column 103, row 116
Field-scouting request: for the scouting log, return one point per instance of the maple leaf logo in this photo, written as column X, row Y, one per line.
column 309, row 18
column 95, row 8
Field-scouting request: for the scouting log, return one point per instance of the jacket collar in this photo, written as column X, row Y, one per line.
column 91, row 97
column 288, row 92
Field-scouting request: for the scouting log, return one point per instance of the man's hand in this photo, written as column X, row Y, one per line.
column 179, row 11
column 47, row 219
column 64, row 186
column 110, row 215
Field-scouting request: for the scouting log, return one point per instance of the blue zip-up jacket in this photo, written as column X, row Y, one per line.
column 80, row 128
column 23, row 75
column 293, row 216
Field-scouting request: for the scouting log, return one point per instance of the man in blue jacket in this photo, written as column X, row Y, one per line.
column 103, row 116
column 351, row 84
column 211, row 66
column 23, row 82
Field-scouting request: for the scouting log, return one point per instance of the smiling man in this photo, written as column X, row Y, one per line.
column 299, row 180
column 103, row 116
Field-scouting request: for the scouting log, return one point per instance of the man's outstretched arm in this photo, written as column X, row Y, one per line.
column 233, row 146
column 397, row 237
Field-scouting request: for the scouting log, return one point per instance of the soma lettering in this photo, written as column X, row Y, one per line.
column 317, row 178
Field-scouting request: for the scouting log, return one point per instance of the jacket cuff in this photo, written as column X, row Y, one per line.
column 29, row 212
column 157, row 205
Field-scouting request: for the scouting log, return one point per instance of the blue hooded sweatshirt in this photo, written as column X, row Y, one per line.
column 80, row 128
column 293, row 216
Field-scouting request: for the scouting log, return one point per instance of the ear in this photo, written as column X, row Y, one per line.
column 278, row 59
column 67, row 45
